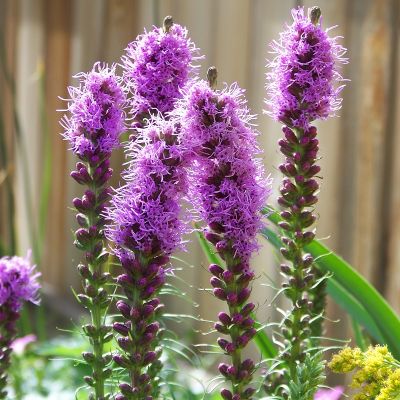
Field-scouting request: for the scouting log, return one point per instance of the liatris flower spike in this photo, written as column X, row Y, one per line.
column 157, row 65
column 228, row 187
column 146, row 227
column 18, row 284
column 93, row 128
column 301, row 88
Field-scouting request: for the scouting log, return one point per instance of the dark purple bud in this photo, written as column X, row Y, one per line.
column 125, row 388
column 124, row 280
column 149, row 357
column 221, row 328
column 230, row 348
column 314, row 170
column 215, row 269
column 247, row 309
column 232, row 298
column 77, row 177
column 221, row 246
column 148, row 292
column 83, row 172
column 248, row 364
column 212, row 237
column 238, row 268
column 305, row 140
column 227, row 276
column 152, row 328
column 247, row 323
column 224, row 318
column 77, row 202
column 237, row 319
column 289, row 135
column 88, row 357
column 125, row 343
column 283, row 202
column 144, row 378
column 83, row 236
column 219, row 293
column 121, row 360
column 232, row 370
column 120, row 397
column 123, row 308
column 161, row 260
column 104, row 195
column 243, row 295
column 310, row 200
column 246, row 277
column 222, row 343
column 154, row 302
column 296, row 156
column 226, row 394
column 299, row 179
column 147, row 310
column 217, row 227
column 312, row 131
column 286, row 269
column 84, row 271
column 223, row 369
column 121, row 328
column 307, row 260
column 216, row 283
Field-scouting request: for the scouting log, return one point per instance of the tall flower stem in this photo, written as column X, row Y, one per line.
column 228, row 188
column 298, row 198
column 93, row 127
column 146, row 228
column 301, row 88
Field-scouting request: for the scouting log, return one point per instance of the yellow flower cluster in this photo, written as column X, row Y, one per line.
column 377, row 373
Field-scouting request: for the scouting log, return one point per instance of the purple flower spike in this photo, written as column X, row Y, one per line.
column 228, row 187
column 96, row 118
column 18, row 284
column 146, row 226
column 93, row 127
column 301, row 82
column 157, row 65
column 302, row 86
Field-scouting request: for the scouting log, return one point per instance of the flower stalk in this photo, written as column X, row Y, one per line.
column 301, row 89
column 146, row 227
column 228, row 187
column 96, row 120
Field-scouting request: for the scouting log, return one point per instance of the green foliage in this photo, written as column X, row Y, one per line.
column 310, row 375
column 351, row 291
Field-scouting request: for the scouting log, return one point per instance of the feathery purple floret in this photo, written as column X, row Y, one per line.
column 18, row 282
column 157, row 66
column 145, row 214
column 227, row 180
column 96, row 118
column 301, row 82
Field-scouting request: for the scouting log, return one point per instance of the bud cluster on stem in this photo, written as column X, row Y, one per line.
column 146, row 227
column 93, row 128
column 301, row 89
column 228, row 188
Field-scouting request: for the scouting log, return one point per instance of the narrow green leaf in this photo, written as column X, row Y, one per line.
column 355, row 284
column 358, row 335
